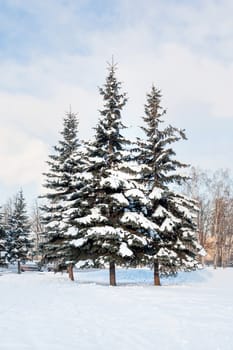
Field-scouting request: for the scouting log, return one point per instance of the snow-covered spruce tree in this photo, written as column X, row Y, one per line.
column 18, row 229
column 63, row 185
column 76, row 206
column 175, row 247
column 114, row 224
column 3, row 243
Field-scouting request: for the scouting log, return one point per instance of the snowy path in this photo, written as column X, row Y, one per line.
column 43, row 311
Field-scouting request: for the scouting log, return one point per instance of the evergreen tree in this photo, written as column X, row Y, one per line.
column 175, row 246
column 61, row 181
column 3, row 243
column 18, row 228
column 113, row 223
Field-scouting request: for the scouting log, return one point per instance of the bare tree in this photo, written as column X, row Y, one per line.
column 198, row 187
column 221, row 215
column 37, row 229
column 7, row 210
column 213, row 192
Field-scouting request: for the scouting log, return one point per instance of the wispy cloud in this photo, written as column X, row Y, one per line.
column 22, row 157
column 54, row 55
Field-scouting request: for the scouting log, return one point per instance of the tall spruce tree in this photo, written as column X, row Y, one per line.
column 63, row 185
column 175, row 246
column 113, row 226
column 18, row 229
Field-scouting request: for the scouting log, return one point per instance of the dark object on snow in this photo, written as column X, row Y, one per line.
column 60, row 268
column 30, row 266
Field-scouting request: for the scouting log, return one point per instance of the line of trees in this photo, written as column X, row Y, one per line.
column 109, row 200
column 21, row 232
column 112, row 201
column 214, row 194
column 212, row 191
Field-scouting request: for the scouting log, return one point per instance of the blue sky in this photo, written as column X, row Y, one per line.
column 53, row 53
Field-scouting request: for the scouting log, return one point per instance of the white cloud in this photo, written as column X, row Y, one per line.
column 182, row 48
column 187, row 80
column 22, row 157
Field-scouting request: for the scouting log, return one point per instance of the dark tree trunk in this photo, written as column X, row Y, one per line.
column 156, row 274
column 19, row 267
column 112, row 273
column 71, row 272
column 215, row 261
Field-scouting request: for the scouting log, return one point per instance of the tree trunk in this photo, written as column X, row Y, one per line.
column 156, row 274
column 215, row 261
column 203, row 260
column 220, row 261
column 19, row 267
column 112, row 273
column 71, row 272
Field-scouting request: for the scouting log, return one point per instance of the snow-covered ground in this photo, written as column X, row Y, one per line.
column 43, row 311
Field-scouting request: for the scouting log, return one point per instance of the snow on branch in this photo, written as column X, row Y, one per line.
column 138, row 220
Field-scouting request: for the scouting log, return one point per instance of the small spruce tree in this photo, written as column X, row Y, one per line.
column 3, row 242
column 18, row 229
column 61, row 181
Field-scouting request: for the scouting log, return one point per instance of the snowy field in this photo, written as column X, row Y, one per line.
column 43, row 311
